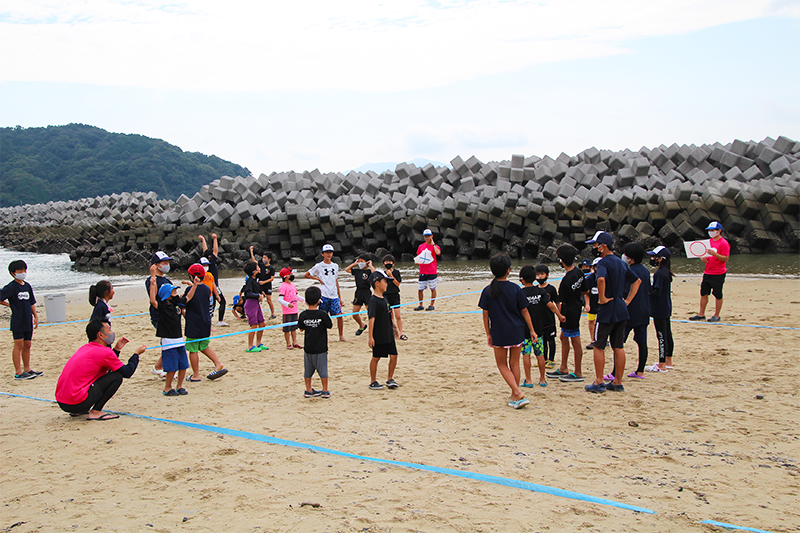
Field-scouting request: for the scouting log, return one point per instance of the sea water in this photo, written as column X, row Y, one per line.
column 54, row 272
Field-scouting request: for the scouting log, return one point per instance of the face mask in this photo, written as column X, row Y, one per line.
column 361, row 265
column 596, row 251
column 625, row 258
column 713, row 233
column 205, row 268
column 541, row 281
column 653, row 261
column 291, row 278
column 110, row 338
column 585, row 270
column 20, row 276
column 388, row 266
column 164, row 268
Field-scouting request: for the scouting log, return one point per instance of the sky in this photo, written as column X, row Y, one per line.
column 277, row 86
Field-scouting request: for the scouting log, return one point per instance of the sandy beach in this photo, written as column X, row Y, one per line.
column 692, row 444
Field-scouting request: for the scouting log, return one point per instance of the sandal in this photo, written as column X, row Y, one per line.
column 403, row 337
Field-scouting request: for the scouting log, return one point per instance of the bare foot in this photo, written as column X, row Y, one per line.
column 342, row 339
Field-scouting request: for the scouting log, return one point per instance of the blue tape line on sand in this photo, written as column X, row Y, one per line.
column 731, row 526
column 415, row 466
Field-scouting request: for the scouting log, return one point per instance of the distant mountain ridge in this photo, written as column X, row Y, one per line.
column 38, row 165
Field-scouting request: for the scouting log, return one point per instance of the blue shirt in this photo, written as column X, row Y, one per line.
column 506, row 325
column 639, row 309
column 616, row 273
column 661, row 301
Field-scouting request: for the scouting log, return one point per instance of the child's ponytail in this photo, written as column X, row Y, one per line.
column 499, row 265
column 98, row 291
column 666, row 262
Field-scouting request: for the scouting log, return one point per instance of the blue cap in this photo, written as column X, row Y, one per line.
column 601, row 237
column 165, row 291
column 715, row 225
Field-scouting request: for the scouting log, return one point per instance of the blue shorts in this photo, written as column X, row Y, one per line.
column 571, row 333
column 330, row 306
column 174, row 359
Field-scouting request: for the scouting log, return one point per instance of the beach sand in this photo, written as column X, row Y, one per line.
column 705, row 447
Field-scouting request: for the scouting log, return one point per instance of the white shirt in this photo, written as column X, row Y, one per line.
column 328, row 273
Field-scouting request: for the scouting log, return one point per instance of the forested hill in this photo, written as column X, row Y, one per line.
column 69, row 162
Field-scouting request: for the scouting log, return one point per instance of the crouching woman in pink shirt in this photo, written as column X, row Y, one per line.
column 94, row 373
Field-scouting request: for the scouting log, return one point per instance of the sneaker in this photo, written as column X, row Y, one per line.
column 325, row 394
column 714, row 319
column 519, row 404
column 595, row 388
column 272, row 317
column 159, row 373
column 312, row 394
column 222, row 324
column 590, row 346
column 419, row 308
column 183, row 392
column 570, row 378
column 526, row 384
column 24, row 375
column 361, row 330
column 557, row 373
column 615, row 388
column 430, row 308
column 392, row 384
column 262, row 348
column 697, row 317
column 375, row 386
column 252, row 349
column 35, row 373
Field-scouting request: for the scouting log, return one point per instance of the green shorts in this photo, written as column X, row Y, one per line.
column 537, row 348
column 193, row 345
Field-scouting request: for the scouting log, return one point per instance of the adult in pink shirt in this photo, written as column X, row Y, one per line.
column 94, row 373
column 714, row 276
column 427, row 273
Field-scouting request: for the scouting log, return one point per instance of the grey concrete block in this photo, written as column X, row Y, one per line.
column 531, row 161
column 751, row 174
column 783, row 145
column 640, row 166
column 473, row 164
column 517, row 175
column 625, row 178
column 517, row 161
column 780, row 166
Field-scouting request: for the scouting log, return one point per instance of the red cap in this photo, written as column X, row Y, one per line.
column 197, row 270
column 285, row 272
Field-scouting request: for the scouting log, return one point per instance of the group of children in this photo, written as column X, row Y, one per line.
column 616, row 293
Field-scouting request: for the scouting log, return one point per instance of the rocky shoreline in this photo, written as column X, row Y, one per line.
column 525, row 207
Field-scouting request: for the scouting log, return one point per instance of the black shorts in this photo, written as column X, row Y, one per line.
column 384, row 350
column 392, row 299
column 712, row 284
column 362, row 297
column 288, row 319
column 613, row 333
column 266, row 290
column 24, row 335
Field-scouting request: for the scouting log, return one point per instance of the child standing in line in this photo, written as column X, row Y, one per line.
column 327, row 273
column 315, row 325
column 99, row 296
column 252, row 308
column 381, row 331
column 18, row 295
column 639, row 306
column 392, row 294
column 661, row 306
column 591, row 299
column 198, row 325
column 505, row 315
column 265, row 278
column 571, row 292
column 538, row 301
column 173, row 357
column 361, row 270
column 288, row 297
column 548, row 317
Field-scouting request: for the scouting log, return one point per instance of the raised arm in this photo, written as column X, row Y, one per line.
column 153, row 286
column 203, row 241
column 214, row 245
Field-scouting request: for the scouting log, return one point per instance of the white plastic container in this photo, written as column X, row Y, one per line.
column 55, row 307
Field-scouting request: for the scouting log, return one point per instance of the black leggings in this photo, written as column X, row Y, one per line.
column 664, row 336
column 549, row 342
column 640, row 338
column 221, row 306
column 99, row 393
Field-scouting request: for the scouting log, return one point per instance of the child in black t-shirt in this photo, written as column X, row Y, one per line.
column 361, row 269
column 315, row 325
column 591, row 303
column 265, row 278
column 392, row 295
column 571, row 292
column 18, row 295
column 381, row 331
column 538, row 302
column 548, row 317
column 168, row 327
column 198, row 325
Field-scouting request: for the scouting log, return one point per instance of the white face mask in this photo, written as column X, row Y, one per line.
column 713, row 233
column 20, row 276
column 625, row 259
column 164, row 268
column 205, row 268
column 361, row 265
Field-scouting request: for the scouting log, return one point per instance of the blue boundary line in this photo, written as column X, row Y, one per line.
column 497, row 480
column 731, row 526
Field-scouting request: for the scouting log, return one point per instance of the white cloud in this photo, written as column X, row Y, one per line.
column 357, row 45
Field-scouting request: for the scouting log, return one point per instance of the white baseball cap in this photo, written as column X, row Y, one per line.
column 327, row 248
